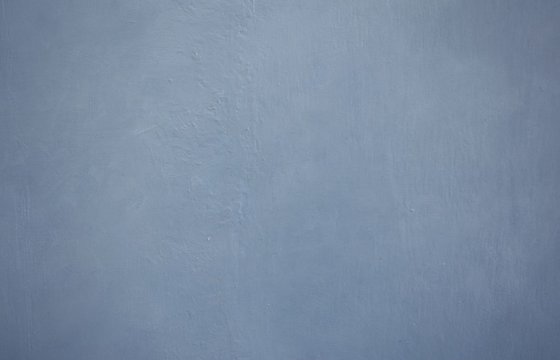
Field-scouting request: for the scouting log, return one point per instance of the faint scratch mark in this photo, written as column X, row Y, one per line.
column 143, row 131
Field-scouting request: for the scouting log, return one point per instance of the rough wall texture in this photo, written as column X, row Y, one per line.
column 260, row 179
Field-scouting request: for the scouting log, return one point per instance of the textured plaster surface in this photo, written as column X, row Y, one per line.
column 260, row 179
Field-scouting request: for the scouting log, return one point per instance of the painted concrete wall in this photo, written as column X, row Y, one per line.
column 260, row 179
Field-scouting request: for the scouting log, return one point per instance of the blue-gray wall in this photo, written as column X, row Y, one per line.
column 278, row 180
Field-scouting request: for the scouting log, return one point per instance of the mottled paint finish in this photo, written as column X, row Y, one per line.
column 278, row 180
